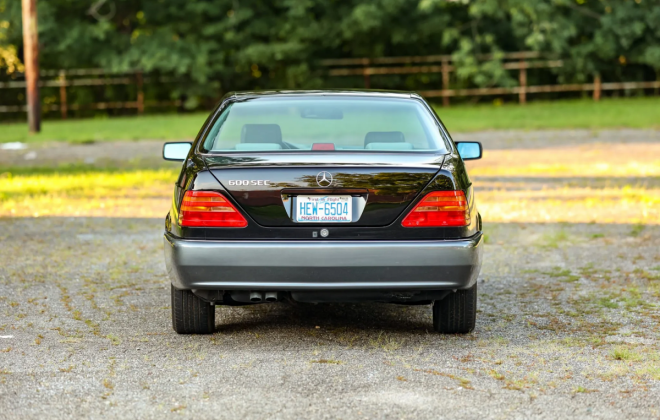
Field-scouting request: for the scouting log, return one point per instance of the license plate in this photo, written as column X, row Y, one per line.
column 324, row 209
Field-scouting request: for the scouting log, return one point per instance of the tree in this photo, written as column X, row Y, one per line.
column 214, row 46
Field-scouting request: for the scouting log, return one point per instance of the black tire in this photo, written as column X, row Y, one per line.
column 190, row 314
column 457, row 312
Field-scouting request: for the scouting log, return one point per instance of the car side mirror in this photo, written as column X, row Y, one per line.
column 176, row 151
column 469, row 149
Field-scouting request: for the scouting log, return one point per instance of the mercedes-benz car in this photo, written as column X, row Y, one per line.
column 323, row 196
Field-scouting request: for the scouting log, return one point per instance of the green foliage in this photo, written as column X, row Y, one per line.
column 214, row 46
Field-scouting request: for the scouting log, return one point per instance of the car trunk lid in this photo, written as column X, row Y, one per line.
column 381, row 185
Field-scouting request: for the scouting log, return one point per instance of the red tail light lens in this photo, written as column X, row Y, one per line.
column 439, row 208
column 209, row 209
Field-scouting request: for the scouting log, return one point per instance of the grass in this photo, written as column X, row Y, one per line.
column 624, row 353
column 327, row 361
column 637, row 229
column 638, row 205
column 496, row 375
column 594, row 169
column 386, row 342
column 608, row 303
column 113, row 339
column 165, row 127
column 553, row 239
column 463, row 382
column 609, row 113
column 652, row 371
column 563, row 275
column 77, row 191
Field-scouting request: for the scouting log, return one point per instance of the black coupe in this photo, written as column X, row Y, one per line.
column 323, row 196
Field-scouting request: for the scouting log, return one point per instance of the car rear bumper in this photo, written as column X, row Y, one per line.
column 323, row 265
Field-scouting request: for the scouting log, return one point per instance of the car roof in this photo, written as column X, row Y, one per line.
column 325, row 92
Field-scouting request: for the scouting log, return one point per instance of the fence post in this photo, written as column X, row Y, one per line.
column 522, row 94
column 63, row 107
column 140, row 93
column 597, row 87
column 445, row 81
column 367, row 77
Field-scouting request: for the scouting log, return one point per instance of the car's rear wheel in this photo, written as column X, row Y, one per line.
column 457, row 312
column 190, row 314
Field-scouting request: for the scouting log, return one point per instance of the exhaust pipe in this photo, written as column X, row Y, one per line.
column 271, row 297
column 255, row 297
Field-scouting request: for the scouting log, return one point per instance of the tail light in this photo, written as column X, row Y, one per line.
column 439, row 208
column 209, row 209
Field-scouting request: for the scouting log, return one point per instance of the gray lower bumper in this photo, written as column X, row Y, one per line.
column 323, row 265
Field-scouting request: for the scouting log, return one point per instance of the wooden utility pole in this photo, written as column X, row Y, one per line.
column 31, row 59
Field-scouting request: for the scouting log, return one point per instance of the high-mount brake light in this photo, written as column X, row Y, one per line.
column 439, row 208
column 323, row 146
column 209, row 209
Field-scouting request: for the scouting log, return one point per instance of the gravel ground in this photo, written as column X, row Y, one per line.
column 567, row 328
column 111, row 153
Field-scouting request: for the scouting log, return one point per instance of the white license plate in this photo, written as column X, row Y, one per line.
column 324, row 209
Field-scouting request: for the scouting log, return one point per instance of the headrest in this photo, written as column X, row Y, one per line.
column 259, row 147
column 383, row 137
column 261, row 133
column 389, row 146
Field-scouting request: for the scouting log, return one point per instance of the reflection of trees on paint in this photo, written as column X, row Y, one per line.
column 389, row 191
column 388, row 186
column 233, row 160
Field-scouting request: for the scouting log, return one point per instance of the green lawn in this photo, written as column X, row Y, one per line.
column 609, row 113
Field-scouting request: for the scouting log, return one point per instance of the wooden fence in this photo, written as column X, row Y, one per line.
column 521, row 61
column 90, row 77
column 341, row 67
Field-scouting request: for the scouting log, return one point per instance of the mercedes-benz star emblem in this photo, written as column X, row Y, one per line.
column 324, row 179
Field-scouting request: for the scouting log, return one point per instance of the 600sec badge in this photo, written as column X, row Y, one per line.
column 264, row 182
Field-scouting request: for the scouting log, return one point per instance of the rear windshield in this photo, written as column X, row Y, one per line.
column 290, row 124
